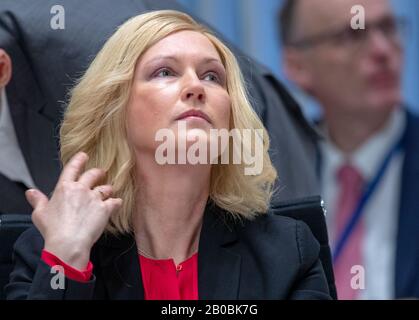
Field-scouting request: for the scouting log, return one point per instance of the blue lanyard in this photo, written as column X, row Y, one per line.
column 369, row 190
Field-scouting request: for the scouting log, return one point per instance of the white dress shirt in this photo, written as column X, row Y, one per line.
column 12, row 163
column 381, row 212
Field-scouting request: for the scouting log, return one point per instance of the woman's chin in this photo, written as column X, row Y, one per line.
column 197, row 135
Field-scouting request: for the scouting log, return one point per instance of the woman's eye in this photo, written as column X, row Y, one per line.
column 163, row 73
column 212, row 77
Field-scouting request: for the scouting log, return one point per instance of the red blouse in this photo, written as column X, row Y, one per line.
column 162, row 279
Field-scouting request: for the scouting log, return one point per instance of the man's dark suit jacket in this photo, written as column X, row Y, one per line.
column 272, row 257
column 47, row 62
column 407, row 246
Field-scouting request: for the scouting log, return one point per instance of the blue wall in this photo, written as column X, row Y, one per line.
column 250, row 24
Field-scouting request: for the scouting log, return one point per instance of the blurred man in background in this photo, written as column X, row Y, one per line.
column 369, row 160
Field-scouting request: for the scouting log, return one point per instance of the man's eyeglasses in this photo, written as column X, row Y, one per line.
column 393, row 29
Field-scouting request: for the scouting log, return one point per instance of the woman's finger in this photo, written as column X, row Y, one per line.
column 36, row 199
column 104, row 191
column 91, row 177
column 74, row 167
column 113, row 204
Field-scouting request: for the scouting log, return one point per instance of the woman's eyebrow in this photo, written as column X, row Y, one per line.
column 162, row 57
column 209, row 60
column 177, row 59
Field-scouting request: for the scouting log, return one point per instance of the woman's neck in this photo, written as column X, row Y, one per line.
column 170, row 206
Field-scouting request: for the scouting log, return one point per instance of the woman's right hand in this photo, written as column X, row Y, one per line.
column 77, row 213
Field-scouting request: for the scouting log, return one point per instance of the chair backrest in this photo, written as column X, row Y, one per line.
column 11, row 227
column 311, row 211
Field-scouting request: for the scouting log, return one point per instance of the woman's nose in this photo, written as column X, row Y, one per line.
column 193, row 89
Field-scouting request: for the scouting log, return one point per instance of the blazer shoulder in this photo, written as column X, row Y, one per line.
column 285, row 232
column 285, row 251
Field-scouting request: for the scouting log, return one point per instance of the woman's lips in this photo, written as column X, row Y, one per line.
column 194, row 114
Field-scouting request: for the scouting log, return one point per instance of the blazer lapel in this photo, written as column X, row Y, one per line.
column 121, row 268
column 407, row 253
column 218, row 267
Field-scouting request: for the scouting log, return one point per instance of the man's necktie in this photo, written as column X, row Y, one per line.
column 350, row 189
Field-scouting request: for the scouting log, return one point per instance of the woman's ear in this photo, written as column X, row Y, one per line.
column 5, row 68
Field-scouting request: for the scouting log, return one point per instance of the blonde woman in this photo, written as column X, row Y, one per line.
column 119, row 225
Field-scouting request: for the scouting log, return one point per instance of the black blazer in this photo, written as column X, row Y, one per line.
column 272, row 257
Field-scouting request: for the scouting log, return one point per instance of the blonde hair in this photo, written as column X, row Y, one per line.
column 95, row 119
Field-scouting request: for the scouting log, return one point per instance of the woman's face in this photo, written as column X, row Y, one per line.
column 181, row 73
